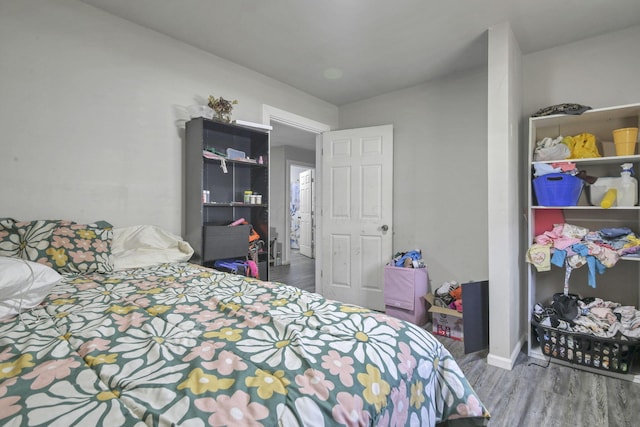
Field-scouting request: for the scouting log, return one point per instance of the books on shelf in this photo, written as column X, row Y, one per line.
column 252, row 124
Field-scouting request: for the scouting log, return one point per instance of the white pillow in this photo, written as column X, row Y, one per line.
column 23, row 284
column 144, row 245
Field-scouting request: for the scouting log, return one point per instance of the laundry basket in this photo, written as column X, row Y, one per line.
column 606, row 354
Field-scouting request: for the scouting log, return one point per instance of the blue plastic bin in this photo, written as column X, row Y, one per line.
column 557, row 189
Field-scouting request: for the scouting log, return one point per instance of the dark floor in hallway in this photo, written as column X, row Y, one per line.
column 300, row 272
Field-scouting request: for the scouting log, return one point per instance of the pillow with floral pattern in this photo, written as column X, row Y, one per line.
column 81, row 248
column 26, row 239
column 66, row 246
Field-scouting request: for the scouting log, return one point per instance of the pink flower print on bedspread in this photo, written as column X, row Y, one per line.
column 226, row 363
column 233, row 410
column 313, row 383
column 206, row 315
column 204, row 351
column 339, row 365
column 350, row 410
column 96, row 344
column 252, row 322
column 135, row 320
column 220, row 323
column 50, row 371
column 391, row 321
column 61, row 242
column 400, row 405
column 82, row 256
column 5, row 354
column 472, row 408
column 407, row 361
column 8, row 404
column 258, row 307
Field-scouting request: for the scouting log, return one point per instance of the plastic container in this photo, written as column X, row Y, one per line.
column 557, row 189
column 625, row 140
column 628, row 188
column 607, row 354
column 598, row 190
column 233, row 154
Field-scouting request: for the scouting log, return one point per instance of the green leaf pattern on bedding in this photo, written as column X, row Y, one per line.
column 185, row 345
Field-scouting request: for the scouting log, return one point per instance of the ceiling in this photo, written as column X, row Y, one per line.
column 344, row 51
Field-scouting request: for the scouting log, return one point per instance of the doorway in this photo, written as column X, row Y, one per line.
column 301, row 210
column 291, row 234
column 293, row 148
column 363, row 250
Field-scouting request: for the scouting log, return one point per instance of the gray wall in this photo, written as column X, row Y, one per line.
column 93, row 111
column 440, row 165
column 278, row 180
column 440, row 171
column 600, row 72
column 93, row 107
column 505, row 221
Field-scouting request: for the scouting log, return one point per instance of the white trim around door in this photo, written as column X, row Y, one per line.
column 269, row 114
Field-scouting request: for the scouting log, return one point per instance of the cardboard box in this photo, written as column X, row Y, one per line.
column 446, row 322
column 448, row 326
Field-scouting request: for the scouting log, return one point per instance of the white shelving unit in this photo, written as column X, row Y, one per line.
column 620, row 283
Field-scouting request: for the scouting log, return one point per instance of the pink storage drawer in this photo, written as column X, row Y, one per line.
column 404, row 291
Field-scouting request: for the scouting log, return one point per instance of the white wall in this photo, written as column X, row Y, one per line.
column 440, row 169
column 600, row 72
column 506, row 289
column 91, row 120
column 92, row 113
column 443, row 123
column 279, row 182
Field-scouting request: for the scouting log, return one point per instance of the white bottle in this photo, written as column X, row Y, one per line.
column 628, row 190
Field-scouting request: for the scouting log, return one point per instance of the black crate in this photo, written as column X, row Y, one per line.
column 607, row 354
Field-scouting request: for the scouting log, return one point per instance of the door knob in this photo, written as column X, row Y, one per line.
column 385, row 227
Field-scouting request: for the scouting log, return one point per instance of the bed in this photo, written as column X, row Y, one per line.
column 167, row 342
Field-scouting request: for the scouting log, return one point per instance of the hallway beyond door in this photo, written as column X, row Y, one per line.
column 300, row 273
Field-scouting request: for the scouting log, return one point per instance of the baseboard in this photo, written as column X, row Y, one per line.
column 503, row 362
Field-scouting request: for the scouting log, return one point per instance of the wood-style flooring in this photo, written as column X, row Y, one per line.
column 534, row 394
column 301, row 272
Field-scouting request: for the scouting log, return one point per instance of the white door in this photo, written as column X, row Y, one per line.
column 306, row 213
column 357, row 211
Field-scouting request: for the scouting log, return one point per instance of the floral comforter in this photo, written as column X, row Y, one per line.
column 180, row 344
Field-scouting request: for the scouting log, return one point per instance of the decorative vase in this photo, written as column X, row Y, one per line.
column 222, row 107
column 223, row 117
